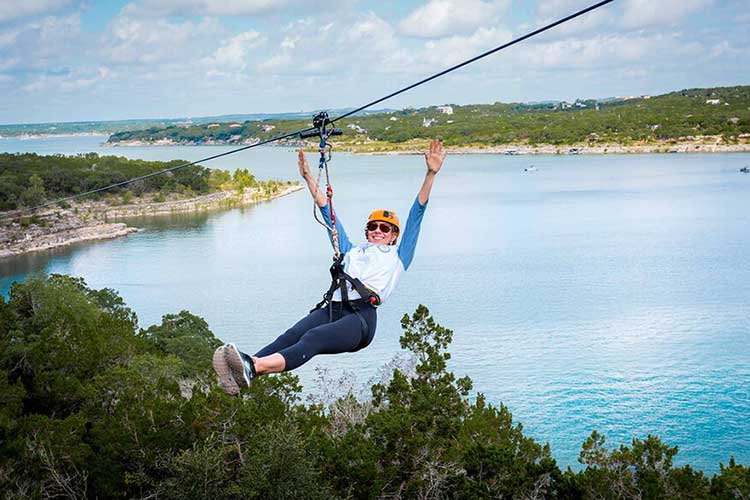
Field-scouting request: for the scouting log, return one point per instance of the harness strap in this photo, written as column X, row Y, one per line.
column 339, row 280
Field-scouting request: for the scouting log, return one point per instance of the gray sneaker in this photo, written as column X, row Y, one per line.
column 224, row 372
column 242, row 368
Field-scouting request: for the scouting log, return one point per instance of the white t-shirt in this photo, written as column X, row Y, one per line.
column 379, row 267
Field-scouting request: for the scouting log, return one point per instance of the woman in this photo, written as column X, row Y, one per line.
column 345, row 326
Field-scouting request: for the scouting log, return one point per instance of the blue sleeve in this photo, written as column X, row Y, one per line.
column 411, row 233
column 344, row 244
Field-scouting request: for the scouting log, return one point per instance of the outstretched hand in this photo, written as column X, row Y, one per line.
column 304, row 168
column 435, row 156
column 434, row 160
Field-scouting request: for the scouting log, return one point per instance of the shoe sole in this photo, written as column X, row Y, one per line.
column 234, row 360
column 224, row 372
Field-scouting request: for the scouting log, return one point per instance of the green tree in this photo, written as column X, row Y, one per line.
column 732, row 483
column 186, row 336
column 643, row 470
column 219, row 180
column 35, row 193
column 242, row 179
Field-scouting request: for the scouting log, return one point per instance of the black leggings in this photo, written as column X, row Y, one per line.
column 315, row 334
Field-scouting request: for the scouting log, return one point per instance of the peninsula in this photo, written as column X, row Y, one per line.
column 29, row 180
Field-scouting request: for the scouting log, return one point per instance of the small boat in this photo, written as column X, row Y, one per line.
column 745, row 170
column 530, row 168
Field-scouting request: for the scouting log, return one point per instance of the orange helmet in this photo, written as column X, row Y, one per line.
column 388, row 216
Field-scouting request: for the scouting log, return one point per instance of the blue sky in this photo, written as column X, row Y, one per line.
column 68, row 60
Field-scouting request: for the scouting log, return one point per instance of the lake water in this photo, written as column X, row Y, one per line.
column 600, row 292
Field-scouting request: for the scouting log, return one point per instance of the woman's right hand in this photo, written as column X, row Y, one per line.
column 304, row 168
column 304, row 171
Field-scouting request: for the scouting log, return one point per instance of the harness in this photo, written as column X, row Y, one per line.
column 339, row 279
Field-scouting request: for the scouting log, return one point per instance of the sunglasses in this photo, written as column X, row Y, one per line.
column 384, row 228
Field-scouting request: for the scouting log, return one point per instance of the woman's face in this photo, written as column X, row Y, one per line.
column 381, row 233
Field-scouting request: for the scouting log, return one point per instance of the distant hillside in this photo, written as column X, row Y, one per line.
column 110, row 127
column 723, row 111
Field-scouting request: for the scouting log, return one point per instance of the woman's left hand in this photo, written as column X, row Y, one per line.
column 435, row 156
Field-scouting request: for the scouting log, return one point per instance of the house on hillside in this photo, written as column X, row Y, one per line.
column 357, row 128
column 446, row 110
column 427, row 122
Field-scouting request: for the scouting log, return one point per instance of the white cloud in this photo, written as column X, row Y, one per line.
column 149, row 41
column 276, row 64
column 372, row 36
column 54, row 31
column 6, row 64
column 50, row 42
column 205, row 7
column 233, row 54
column 559, row 8
column 552, row 10
column 600, row 52
column 300, row 50
column 10, row 9
column 67, row 83
column 641, row 13
column 290, row 42
column 725, row 49
column 364, row 44
column 450, row 17
column 8, row 38
column 452, row 50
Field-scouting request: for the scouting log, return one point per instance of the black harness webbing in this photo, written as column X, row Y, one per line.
column 339, row 280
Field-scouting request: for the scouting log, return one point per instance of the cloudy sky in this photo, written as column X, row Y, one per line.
column 68, row 60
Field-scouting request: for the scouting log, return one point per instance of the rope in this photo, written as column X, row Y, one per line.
column 345, row 115
column 329, row 197
column 315, row 211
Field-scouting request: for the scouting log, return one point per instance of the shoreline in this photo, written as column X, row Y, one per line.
column 550, row 150
column 93, row 220
column 31, row 137
column 701, row 144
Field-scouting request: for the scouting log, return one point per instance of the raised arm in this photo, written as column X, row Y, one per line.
column 304, row 171
column 322, row 202
column 434, row 160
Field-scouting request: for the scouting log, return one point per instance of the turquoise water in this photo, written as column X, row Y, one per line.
column 601, row 292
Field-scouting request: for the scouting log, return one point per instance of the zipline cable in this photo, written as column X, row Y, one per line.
column 345, row 115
